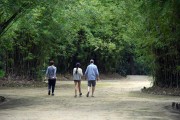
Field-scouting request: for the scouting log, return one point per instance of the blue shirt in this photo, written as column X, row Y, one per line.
column 51, row 72
column 91, row 72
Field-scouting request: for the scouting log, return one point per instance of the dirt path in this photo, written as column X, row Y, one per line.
column 114, row 100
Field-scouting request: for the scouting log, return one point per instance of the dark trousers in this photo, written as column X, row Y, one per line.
column 51, row 84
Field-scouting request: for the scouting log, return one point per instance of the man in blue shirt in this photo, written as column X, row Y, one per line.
column 91, row 74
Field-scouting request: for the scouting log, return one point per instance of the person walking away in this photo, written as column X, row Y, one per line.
column 51, row 75
column 91, row 74
column 77, row 74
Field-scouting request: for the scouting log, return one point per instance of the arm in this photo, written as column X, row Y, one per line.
column 46, row 75
column 97, row 74
column 55, row 72
column 81, row 73
column 74, row 71
column 86, row 72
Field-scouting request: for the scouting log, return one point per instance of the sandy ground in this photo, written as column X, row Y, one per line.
column 114, row 100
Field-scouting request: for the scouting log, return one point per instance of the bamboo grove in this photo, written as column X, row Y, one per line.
column 163, row 23
column 122, row 36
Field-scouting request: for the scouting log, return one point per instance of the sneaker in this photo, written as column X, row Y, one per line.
column 87, row 94
column 75, row 96
column 80, row 94
column 49, row 92
column 52, row 94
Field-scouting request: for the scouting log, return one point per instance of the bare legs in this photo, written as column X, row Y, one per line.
column 93, row 89
column 75, row 83
column 77, row 88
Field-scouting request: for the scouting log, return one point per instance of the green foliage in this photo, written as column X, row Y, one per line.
column 2, row 73
column 76, row 31
column 123, row 36
column 162, row 26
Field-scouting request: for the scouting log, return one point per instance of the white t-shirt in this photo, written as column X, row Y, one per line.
column 78, row 75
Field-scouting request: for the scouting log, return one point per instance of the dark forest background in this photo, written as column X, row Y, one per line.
column 123, row 36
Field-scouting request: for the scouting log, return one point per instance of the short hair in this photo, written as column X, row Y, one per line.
column 51, row 62
column 91, row 61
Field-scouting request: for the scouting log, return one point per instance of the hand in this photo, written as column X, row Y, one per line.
column 44, row 78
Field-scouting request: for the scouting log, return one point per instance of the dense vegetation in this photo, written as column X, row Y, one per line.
column 122, row 36
column 162, row 40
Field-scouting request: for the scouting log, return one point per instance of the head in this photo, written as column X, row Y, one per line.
column 91, row 61
column 78, row 65
column 51, row 62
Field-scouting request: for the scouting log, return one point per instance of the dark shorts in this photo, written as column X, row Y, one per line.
column 77, row 80
column 92, row 83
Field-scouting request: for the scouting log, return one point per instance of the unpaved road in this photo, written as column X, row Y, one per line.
column 114, row 100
